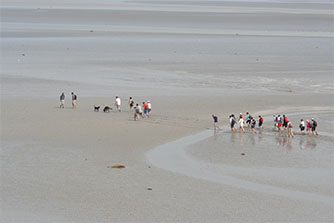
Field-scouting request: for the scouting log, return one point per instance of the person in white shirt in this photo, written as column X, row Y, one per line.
column 149, row 107
column 302, row 127
column 241, row 123
column 118, row 104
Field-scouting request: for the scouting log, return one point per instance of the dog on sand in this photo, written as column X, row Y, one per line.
column 96, row 108
column 107, row 109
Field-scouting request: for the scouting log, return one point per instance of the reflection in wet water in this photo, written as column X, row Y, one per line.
column 280, row 139
column 307, row 142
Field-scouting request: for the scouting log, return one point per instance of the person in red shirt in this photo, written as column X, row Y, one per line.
column 260, row 121
column 145, row 107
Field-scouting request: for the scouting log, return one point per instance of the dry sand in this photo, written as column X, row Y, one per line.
column 190, row 59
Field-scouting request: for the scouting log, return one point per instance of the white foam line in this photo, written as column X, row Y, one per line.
column 173, row 157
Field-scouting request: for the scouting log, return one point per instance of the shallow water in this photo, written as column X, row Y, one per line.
column 267, row 162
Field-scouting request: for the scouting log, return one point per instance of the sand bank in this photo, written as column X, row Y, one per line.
column 190, row 59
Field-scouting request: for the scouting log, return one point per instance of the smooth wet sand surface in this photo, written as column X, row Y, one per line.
column 190, row 59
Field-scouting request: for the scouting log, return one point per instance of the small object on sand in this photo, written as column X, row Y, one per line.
column 91, row 31
column 149, row 166
column 149, row 188
column 23, row 54
column 119, row 166
column 243, row 154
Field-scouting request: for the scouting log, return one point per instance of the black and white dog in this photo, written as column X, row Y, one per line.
column 96, row 108
column 107, row 109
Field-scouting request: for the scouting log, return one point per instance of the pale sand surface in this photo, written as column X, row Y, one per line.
column 191, row 59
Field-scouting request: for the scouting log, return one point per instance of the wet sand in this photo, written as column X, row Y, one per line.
column 190, row 59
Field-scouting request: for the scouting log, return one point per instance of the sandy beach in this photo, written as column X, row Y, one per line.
column 190, row 59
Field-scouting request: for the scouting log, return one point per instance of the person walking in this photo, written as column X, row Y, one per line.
column 145, row 109
column 74, row 100
column 131, row 103
column 232, row 122
column 215, row 122
column 275, row 121
column 285, row 122
column 302, row 127
column 308, row 127
column 314, row 127
column 149, row 108
column 249, row 119
column 290, row 129
column 253, row 124
column 260, row 121
column 279, row 123
column 62, row 100
column 241, row 123
column 118, row 103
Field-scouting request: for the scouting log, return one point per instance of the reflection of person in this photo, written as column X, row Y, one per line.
column 289, row 144
column 62, row 100
column 310, row 143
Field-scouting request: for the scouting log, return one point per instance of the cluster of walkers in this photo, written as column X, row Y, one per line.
column 74, row 100
column 283, row 122
column 279, row 124
column 249, row 120
column 139, row 111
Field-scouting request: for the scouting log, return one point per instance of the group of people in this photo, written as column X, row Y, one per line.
column 74, row 100
column 139, row 111
column 311, row 127
column 283, row 122
column 279, row 124
column 248, row 120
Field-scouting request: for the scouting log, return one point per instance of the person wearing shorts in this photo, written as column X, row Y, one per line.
column 290, row 129
column 302, row 127
column 145, row 109
column 279, row 122
column 74, row 100
column 241, row 123
column 131, row 103
column 275, row 120
column 285, row 122
column 232, row 122
column 215, row 122
column 253, row 124
column 260, row 121
column 249, row 119
column 149, row 108
column 308, row 127
column 118, row 103
column 314, row 127
column 62, row 100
